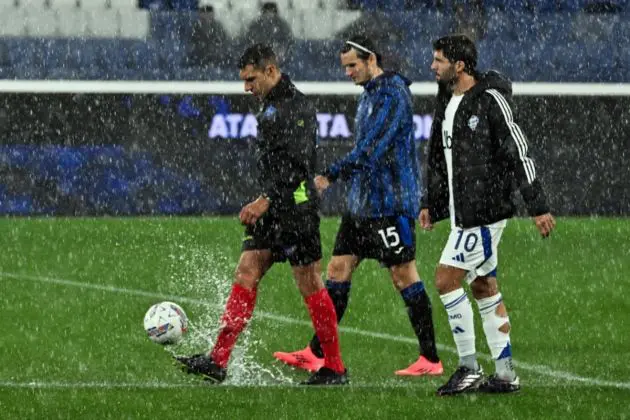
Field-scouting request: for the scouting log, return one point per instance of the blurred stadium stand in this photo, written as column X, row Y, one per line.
column 544, row 40
column 97, row 179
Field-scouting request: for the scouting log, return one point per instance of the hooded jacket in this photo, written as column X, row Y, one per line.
column 489, row 157
column 382, row 169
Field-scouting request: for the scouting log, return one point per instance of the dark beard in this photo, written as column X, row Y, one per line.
column 447, row 85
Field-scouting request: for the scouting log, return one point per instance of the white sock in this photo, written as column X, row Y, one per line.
column 498, row 341
column 460, row 318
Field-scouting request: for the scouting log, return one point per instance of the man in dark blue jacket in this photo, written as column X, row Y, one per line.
column 384, row 199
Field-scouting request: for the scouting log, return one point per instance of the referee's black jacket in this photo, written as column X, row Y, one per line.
column 489, row 157
column 286, row 149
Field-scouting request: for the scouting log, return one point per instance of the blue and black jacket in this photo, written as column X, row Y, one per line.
column 382, row 169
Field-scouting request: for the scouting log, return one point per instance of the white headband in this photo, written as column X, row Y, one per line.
column 361, row 47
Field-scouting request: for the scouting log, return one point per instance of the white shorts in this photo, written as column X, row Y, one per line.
column 474, row 250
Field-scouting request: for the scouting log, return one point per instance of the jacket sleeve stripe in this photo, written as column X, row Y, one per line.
column 516, row 133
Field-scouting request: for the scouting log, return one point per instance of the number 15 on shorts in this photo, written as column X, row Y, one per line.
column 390, row 236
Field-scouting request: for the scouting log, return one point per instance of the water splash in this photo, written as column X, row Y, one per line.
column 206, row 273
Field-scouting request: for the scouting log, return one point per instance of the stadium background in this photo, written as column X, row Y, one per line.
column 172, row 153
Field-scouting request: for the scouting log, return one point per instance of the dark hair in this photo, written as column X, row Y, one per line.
column 208, row 8
column 367, row 44
column 258, row 55
column 458, row 48
column 269, row 6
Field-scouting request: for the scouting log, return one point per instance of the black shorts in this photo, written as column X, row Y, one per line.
column 294, row 237
column 389, row 240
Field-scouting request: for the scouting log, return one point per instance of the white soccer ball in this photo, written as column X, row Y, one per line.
column 165, row 323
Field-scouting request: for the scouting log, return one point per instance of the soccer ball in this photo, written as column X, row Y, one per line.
column 165, row 323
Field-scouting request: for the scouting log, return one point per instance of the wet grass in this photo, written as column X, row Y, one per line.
column 74, row 292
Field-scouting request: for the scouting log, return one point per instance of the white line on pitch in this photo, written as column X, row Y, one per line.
column 540, row 369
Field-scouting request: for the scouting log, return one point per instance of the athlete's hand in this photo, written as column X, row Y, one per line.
column 425, row 220
column 321, row 183
column 253, row 211
column 545, row 224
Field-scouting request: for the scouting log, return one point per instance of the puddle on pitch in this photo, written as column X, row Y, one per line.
column 207, row 275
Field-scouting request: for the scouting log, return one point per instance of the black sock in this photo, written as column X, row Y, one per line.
column 419, row 311
column 339, row 292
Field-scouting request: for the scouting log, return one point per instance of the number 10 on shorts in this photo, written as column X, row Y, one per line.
column 469, row 243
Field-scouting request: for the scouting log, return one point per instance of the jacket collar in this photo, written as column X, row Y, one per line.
column 283, row 89
column 489, row 80
column 383, row 79
column 444, row 96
